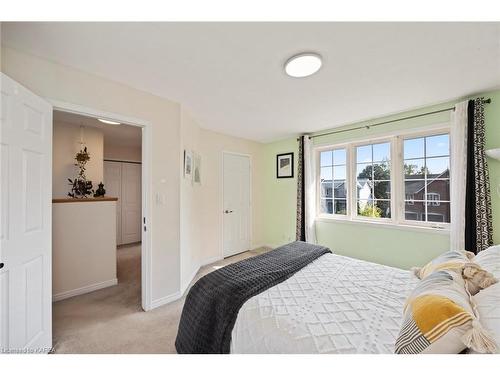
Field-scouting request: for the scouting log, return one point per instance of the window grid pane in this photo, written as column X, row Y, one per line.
column 373, row 180
column 333, row 190
column 426, row 184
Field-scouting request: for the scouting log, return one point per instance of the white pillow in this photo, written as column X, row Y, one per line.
column 489, row 260
column 488, row 308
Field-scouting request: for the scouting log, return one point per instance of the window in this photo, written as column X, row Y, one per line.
column 333, row 188
column 410, row 199
column 427, row 178
column 433, row 199
column 373, row 180
column 404, row 180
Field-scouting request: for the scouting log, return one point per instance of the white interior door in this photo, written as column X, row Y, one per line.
column 131, row 203
column 113, row 186
column 26, row 198
column 237, row 203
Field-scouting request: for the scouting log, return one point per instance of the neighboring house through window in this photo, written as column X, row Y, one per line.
column 427, row 178
column 333, row 192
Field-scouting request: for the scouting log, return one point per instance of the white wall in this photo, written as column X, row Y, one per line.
column 118, row 152
column 201, row 205
column 191, row 205
column 83, row 262
column 66, row 143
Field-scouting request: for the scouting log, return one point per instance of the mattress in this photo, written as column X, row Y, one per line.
column 335, row 304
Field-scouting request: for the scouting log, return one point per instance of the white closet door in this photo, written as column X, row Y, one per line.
column 237, row 204
column 131, row 203
column 26, row 220
column 113, row 186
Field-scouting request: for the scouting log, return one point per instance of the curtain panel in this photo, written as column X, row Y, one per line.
column 458, row 175
column 478, row 214
column 300, row 232
column 306, row 192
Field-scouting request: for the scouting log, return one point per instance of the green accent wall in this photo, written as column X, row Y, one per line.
column 279, row 195
column 396, row 247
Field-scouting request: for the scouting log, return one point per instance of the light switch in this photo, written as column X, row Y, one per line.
column 160, row 199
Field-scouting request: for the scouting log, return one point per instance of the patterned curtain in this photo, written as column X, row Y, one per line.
column 478, row 227
column 300, row 233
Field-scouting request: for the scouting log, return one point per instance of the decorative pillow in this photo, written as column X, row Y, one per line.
column 438, row 318
column 489, row 260
column 476, row 278
column 451, row 260
column 488, row 307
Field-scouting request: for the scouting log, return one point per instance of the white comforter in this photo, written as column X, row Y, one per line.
column 334, row 305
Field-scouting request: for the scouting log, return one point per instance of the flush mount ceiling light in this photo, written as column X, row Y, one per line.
column 109, row 122
column 303, row 65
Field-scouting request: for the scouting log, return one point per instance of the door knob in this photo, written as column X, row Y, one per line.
column 1, row 265
column 228, row 211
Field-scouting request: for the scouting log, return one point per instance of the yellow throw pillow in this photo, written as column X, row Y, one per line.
column 439, row 318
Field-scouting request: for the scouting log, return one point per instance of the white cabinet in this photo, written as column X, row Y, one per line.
column 123, row 180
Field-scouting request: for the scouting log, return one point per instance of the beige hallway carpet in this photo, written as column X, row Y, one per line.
column 111, row 320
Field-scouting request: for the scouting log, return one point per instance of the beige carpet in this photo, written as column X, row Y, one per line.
column 111, row 320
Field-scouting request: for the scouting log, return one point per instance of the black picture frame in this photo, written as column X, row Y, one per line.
column 280, row 157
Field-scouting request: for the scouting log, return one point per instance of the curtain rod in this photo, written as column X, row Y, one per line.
column 485, row 101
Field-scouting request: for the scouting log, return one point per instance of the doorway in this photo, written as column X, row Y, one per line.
column 139, row 238
column 96, row 248
column 237, row 203
column 102, row 161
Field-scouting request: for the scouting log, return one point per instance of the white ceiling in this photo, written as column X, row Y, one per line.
column 230, row 75
column 117, row 135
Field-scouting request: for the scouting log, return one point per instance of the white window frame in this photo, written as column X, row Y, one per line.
column 396, row 139
column 354, row 202
column 318, row 183
column 420, row 134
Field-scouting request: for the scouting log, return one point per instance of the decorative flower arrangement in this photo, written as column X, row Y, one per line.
column 82, row 157
column 80, row 187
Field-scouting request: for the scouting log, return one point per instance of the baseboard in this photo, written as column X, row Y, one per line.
column 164, row 300
column 84, row 290
column 174, row 296
column 271, row 245
column 211, row 260
column 258, row 246
column 193, row 275
column 188, row 282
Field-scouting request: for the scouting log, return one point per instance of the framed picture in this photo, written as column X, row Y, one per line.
column 188, row 164
column 284, row 165
column 196, row 168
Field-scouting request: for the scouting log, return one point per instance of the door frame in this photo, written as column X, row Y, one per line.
column 250, row 221
column 146, row 175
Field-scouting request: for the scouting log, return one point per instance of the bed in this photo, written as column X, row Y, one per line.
column 327, row 304
column 335, row 304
